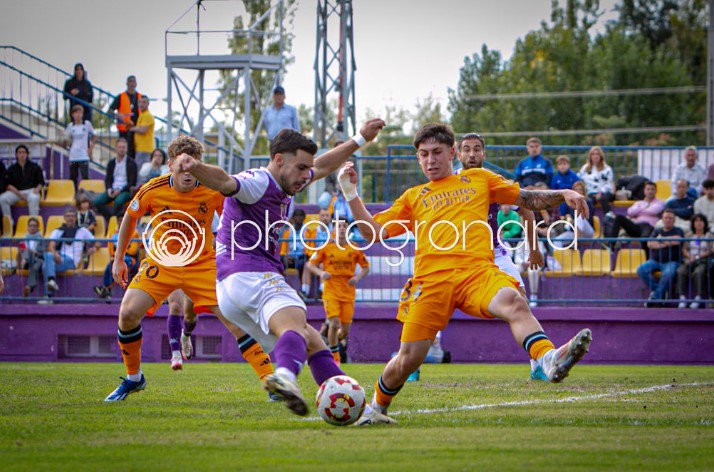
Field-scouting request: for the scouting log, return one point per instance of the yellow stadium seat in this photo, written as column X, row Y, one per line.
column 100, row 229
column 59, row 193
column 6, row 226
column 595, row 262
column 93, row 185
column 664, row 189
column 623, row 203
column 8, row 256
column 98, row 261
column 53, row 222
column 597, row 227
column 21, row 228
column 569, row 260
column 311, row 217
column 112, row 227
column 628, row 260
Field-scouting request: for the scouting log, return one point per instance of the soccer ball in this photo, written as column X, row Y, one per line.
column 340, row 400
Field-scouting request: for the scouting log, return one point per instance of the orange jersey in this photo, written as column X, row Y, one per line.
column 185, row 220
column 341, row 264
column 449, row 218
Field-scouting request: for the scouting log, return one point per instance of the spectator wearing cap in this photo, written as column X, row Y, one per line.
column 280, row 115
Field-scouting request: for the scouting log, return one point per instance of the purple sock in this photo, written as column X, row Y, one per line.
column 322, row 365
column 290, row 352
column 173, row 325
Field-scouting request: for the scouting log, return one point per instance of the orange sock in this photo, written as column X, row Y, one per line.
column 255, row 356
column 384, row 395
column 130, row 346
column 537, row 344
column 336, row 355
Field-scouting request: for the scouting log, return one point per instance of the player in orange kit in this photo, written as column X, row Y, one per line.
column 180, row 254
column 453, row 263
column 339, row 261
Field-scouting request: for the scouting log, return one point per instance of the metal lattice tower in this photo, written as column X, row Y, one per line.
column 192, row 77
column 334, row 72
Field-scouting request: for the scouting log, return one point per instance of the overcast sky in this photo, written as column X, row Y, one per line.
column 404, row 49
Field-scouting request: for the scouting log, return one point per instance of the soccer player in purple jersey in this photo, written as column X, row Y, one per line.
column 252, row 292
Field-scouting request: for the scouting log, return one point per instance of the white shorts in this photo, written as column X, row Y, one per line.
column 503, row 260
column 250, row 299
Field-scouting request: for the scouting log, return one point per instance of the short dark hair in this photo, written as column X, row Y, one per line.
column 299, row 212
column 22, row 146
column 668, row 210
column 185, row 145
column 290, row 141
column 649, row 182
column 163, row 155
column 700, row 216
column 76, row 107
column 472, row 136
column 439, row 132
column 708, row 183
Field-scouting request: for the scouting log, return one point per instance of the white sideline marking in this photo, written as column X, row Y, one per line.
column 637, row 391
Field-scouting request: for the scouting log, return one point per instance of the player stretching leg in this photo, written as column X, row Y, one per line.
column 251, row 289
column 182, row 207
column 472, row 154
column 462, row 276
column 339, row 260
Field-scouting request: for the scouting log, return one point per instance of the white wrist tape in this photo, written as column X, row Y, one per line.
column 359, row 139
column 349, row 190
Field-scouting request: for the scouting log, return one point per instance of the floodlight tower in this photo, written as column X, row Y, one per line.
column 195, row 94
column 334, row 72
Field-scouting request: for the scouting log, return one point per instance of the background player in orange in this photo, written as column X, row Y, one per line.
column 453, row 263
column 339, row 260
column 180, row 255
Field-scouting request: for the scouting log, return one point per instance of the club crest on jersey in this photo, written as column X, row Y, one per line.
column 424, row 191
column 203, row 208
column 134, row 205
column 465, row 179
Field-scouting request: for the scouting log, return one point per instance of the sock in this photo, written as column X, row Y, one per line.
column 173, row 326
column 258, row 359
column 537, row 344
column 322, row 366
column 175, row 354
column 189, row 326
column 335, row 350
column 130, row 346
column 383, row 396
column 305, row 288
column 290, row 352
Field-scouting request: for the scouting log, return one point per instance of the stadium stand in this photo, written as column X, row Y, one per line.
column 627, row 262
column 7, row 259
column 98, row 261
column 595, row 262
column 21, row 227
column 100, row 229
column 59, row 193
column 664, row 189
column 570, row 263
column 53, row 222
column 93, row 185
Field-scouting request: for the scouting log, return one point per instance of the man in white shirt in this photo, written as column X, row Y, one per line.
column 705, row 203
column 120, row 181
column 280, row 115
column 691, row 172
column 65, row 249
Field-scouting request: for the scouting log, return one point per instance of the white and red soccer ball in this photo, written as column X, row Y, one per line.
column 340, row 400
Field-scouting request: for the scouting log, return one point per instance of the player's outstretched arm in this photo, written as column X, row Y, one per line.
column 329, row 162
column 211, row 176
column 535, row 257
column 369, row 228
column 120, row 273
column 544, row 199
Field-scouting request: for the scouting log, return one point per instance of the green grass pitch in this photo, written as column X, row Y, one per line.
column 457, row 417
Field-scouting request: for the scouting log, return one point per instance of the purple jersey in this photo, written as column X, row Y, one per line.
column 251, row 225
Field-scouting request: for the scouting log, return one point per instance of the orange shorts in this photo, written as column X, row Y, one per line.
column 344, row 310
column 427, row 303
column 198, row 282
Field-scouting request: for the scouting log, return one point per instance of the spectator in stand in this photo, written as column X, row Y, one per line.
column 31, row 255
column 143, row 133
column 126, row 108
column 534, row 168
column 698, row 261
column 131, row 257
column 25, row 181
column 3, row 186
column 665, row 257
column 641, row 217
column 81, row 138
column 565, row 177
column 705, row 203
column 690, row 171
column 65, row 250
column 682, row 203
column 512, row 221
column 85, row 216
column 78, row 87
column 119, row 180
column 599, row 180
column 154, row 168
column 280, row 116
column 585, row 226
